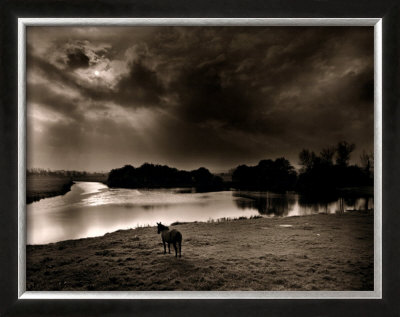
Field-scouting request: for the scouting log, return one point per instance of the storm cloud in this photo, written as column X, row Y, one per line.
column 77, row 59
column 99, row 98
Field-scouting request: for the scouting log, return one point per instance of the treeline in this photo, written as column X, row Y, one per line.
column 278, row 175
column 320, row 173
column 330, row 170
column 162, row 176
column 73, row 175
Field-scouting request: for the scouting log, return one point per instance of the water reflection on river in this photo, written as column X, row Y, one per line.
column 93, row 209
column 290, row 204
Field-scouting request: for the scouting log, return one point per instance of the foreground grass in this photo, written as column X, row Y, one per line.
column 317, row 252
column 39, row 187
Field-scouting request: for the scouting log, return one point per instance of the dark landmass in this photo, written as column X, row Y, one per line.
column 162, row 176
column 268, row 175
column 329, row 171
column 323, row 176
column 323, row 252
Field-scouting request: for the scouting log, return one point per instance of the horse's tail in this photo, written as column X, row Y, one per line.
column 179, row 239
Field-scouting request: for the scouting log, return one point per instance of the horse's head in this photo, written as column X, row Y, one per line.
column 159, row 227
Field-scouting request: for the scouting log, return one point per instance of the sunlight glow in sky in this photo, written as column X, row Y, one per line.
column 102, row 97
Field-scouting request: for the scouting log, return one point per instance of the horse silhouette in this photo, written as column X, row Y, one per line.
column 173, row 236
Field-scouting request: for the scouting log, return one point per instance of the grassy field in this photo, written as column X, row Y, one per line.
column 317, row 252
column 38, row 187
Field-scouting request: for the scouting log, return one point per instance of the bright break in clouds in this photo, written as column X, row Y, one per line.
column 102, row 97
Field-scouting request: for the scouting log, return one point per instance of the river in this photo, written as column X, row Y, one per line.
column 92, row 209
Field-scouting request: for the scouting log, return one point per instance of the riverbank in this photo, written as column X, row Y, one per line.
column 46, row 186
column 316, row 252
column 39, row 187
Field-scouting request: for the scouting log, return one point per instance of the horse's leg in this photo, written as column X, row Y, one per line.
column 180, row 248
column 176, row 250
column 165, row 249
column 169, row 248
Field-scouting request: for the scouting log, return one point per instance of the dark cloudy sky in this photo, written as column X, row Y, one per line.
column 102, row 97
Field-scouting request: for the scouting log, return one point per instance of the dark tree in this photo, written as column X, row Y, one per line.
column 203, row 180
column 343, row 152
column 307, row 159
column 161, row 176
column 320, row 176
column 367, row 161
column 278, row 175
column 244, row 176
column 327, row 155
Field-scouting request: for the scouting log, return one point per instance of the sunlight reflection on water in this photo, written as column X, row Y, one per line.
column 92, row 209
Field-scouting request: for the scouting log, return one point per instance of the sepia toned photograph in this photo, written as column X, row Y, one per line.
column 200, row 158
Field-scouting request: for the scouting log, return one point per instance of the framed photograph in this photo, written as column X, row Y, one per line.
column 227, row 164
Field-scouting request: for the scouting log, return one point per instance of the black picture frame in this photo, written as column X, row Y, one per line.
column 10, row 11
